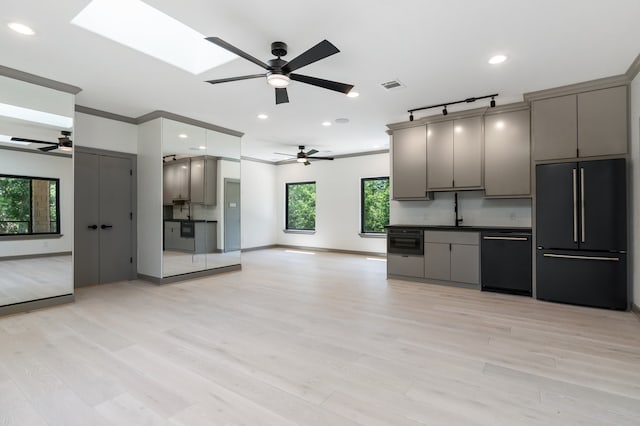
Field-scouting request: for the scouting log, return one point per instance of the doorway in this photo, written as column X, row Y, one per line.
column 104, row 229
column 231, row 215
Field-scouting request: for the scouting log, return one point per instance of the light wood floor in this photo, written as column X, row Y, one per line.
column 319, row 339
column 22, row 280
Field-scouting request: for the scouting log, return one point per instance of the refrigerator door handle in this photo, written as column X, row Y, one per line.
column 582, row 224
column 575, row 206
column 568, row 256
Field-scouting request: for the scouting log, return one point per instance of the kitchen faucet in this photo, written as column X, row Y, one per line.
column 455, row 209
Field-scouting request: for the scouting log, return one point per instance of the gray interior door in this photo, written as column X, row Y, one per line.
column 231, row 215
column 103, row 222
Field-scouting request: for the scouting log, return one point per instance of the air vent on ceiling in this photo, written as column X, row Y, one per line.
column 392, row 84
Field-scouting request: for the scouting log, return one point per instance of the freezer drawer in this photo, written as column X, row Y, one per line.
column 597, row 279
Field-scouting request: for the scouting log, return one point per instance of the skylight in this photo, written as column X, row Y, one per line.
column 141, row 27
column 35, row 116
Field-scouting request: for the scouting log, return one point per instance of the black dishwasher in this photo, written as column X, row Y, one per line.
column 505, row 262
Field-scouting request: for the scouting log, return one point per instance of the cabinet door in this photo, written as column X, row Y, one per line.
column 602, row 122
column 555, row 128
column 197, row 180
column 465, row 263
column 183, row 180
column 440, row 155
column 507, row 154
column 409, row 266
column 467, row 153
column 168, row 183
column 437, row 261
column 409, row 158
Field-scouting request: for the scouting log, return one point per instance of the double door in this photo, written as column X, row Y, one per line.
column 103, row 227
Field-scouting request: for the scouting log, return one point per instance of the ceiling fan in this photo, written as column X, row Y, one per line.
column 280, row 72
column 304, row 157
column 64, row 143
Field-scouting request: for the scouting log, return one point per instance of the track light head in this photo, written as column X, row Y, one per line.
column 444, row 111
column 410, row 116
column 493, row 103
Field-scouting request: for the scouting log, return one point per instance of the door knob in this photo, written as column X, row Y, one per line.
column 103, row 226
column 92, row 227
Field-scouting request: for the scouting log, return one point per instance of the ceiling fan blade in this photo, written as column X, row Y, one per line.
column 317, row 52
column 219, row 42
column 312, row 151
column 48, row 148
column 16, row 139
column 282, row 153
column 242, row 77
column 319, row 158
column 281, row 96
column 325, row 84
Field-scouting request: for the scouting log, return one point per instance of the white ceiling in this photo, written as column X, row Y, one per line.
column 438, row 49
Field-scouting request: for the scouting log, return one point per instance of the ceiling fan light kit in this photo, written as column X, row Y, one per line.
column 280, row 72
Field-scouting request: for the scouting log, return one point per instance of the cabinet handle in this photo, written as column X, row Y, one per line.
column 583, row 230
column 575, row 207
column 506, row 238
column 92, row 227
column 103, row 226
column 568, row 256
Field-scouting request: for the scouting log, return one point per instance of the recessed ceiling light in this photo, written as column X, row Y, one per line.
column 183, row 136
column 21, row 28
column 326, row 123
column 36, row 116
column 139, row 26
column 353, row 94
column 263, row 116
column 497, row 59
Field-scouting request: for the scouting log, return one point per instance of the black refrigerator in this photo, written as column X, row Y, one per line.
column 581, row 233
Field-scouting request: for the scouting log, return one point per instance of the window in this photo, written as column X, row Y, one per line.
column 29, row 205
column 301, row 206
column 374, row 205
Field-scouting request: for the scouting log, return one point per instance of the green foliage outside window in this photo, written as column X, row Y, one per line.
column 374, row 204
column 16, row 206
column 301, row 206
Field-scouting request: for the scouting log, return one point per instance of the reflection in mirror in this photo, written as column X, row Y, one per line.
column 36, row 214
column 196, row 165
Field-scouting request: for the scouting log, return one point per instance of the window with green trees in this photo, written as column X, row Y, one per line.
column 301, row 206
column 29, row 205
column 374, row 204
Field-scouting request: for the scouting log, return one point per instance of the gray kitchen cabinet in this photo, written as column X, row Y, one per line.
column 203, row 180
column 409, row 163
column 452, row 256
column 602, row 122
column 437, row 261
column 587, row 124
column 404, row 265
column 454, row 154
column 173, row 240
column 176, row 181
column 206, row 237
column 507, row 154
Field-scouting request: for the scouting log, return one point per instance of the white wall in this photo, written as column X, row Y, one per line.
column 150, row 199
column 102, row 133
column 635, row 188
column 337, row 202
column 259, row 195
column 472, row 207
column 38, row 165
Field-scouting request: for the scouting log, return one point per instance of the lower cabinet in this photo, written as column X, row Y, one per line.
column 452, row 256
column 173, row 240
column 408, row 266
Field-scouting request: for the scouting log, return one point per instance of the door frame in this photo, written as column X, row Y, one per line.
column 133, row 159
column 230, row 180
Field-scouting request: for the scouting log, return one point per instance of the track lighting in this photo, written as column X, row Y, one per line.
column 492, row 104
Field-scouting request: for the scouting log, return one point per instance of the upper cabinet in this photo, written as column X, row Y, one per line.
column 454, row 154
column 507, row 154
column 176, row 179
column 589, row 124
column 203, row 180
column 409, row 168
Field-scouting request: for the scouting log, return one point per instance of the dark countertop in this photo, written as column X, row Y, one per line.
column 190, row 220
column 463, row 228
